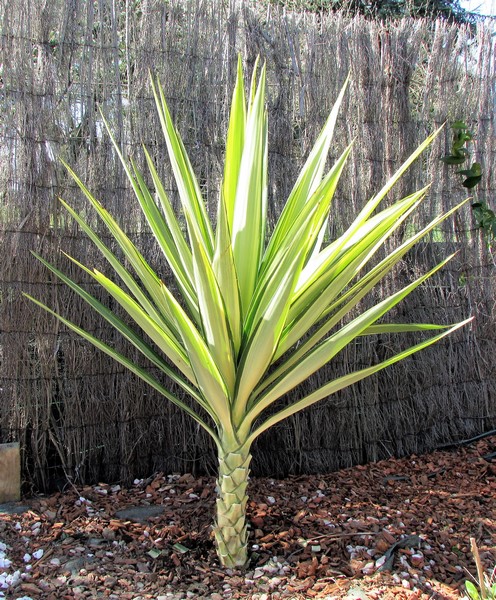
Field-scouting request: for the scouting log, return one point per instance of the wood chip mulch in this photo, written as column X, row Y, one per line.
column 395, row 529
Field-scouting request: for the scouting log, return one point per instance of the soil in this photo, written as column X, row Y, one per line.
column 395, row 529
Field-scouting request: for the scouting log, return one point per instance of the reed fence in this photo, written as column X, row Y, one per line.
column 80, row 416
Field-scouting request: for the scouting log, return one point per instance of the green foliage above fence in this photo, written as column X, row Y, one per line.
column 77, row 414
column 450, row 10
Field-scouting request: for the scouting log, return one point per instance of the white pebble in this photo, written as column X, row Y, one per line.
column 271, row 569
column 38, row 554
column 369, row 568
column 404, row 562
column 380, row 561
column 9, row 580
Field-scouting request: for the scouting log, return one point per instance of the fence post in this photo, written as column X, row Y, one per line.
column 10, row 473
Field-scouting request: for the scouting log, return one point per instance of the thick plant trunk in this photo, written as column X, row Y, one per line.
column 231, row 529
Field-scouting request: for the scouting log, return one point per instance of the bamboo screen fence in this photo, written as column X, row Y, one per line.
column 77, row 414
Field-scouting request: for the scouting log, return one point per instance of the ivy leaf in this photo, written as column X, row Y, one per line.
column 459, row 125
column 454, row 159
column 474, row 171
column 473, row 175
column 471, row 182
column 461, row 130
column 485, row 217
column 461, row 138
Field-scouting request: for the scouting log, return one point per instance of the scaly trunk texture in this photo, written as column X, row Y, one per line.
column 231, row 529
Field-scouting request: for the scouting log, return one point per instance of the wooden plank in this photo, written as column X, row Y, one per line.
column 10, row 473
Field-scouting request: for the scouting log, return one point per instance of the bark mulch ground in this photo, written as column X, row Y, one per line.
column 396, row 529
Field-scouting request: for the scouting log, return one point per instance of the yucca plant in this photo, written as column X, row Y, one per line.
column 255, row 314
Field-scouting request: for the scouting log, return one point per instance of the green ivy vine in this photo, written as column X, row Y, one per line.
column 459, row 154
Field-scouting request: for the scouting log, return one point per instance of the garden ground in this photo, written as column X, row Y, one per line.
column 395, row 529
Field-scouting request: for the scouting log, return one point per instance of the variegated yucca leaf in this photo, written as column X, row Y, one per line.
column 257, row 311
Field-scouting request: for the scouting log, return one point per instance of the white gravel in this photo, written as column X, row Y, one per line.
column 8, row 578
